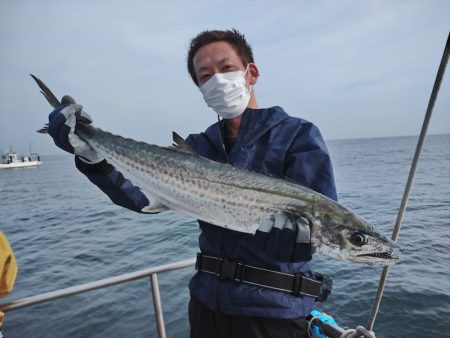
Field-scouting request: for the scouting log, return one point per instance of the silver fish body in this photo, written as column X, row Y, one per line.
column 213, row 192
column 234, row 198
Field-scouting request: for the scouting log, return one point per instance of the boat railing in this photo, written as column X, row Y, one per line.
column 331, row 331
column 152, row 273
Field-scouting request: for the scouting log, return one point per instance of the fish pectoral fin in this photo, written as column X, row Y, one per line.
column 180, row 144
column 154, row 208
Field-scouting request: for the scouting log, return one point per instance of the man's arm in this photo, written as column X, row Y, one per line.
column 61, row 127
column 287, row 237
column 119, row 189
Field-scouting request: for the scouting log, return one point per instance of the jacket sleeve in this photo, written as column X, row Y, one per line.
column 308, row 162
column 119, row 189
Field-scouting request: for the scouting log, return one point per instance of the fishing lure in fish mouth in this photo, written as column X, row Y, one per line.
column 175, row 178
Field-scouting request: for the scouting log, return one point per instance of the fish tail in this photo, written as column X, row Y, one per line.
column 49, row 96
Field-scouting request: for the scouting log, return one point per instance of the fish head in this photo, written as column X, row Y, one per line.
column 347, row 236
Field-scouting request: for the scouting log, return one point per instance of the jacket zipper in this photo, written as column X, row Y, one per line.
column 221, row 135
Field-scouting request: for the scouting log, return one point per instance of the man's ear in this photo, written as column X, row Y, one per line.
column 253, row 73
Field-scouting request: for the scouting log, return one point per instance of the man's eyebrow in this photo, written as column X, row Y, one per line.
column 202, row 68
column 225, row 59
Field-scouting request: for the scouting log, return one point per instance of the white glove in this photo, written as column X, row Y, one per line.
column 285, row 236
column 62, row 122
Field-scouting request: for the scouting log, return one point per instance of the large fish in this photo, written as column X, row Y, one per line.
column 175, row 178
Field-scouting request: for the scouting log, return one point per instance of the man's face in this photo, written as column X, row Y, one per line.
column 216, row 57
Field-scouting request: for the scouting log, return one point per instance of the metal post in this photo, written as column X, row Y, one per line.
column 412, row 172
column 157, row 306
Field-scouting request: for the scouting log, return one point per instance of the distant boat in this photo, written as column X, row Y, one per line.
column 11, row 160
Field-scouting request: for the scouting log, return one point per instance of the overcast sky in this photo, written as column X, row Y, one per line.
column 354, row 68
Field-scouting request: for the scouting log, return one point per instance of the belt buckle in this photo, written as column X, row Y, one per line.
column 325, row 288
column 227, row 269
column 296, row 290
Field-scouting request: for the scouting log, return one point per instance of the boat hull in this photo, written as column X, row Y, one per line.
column 20, row 165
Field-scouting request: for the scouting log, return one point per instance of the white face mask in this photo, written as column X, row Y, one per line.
column 226, row 93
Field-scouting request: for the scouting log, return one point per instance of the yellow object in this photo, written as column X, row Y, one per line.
column 8, row 266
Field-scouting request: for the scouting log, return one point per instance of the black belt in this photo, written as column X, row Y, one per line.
column 296, row 284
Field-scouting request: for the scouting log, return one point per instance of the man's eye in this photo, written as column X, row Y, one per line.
column 204, row 77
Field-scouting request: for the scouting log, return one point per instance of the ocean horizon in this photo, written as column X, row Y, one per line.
column 57, row 151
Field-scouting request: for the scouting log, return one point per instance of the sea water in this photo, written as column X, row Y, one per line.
column 65, row 232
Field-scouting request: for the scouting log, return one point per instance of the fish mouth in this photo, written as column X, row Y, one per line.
column 382, row 255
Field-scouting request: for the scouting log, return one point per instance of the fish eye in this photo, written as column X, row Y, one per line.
column 357, row 238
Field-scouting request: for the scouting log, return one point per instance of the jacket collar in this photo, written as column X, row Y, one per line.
column 254, row 124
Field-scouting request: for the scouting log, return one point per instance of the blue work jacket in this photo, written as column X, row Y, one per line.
column 271, row 142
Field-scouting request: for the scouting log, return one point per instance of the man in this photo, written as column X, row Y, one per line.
column 246, row 285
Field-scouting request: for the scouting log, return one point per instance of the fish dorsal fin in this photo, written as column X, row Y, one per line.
column 180, row 144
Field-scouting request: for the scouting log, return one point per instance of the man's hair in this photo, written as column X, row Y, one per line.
column 233, row 37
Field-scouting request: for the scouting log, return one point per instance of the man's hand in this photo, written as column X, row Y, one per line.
column 61, row 127
column 286, row 237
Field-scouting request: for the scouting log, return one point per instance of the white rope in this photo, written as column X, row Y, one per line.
column 309, row 325
column 359, row 332
column 348, row 333
column 401, row 213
